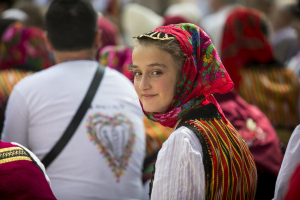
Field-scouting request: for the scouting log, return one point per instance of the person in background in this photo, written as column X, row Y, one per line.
column 294, row 63
column 260, row 136
column 34, row 13
column 174, row 80
column 137, row 19
column 284, row 39
column 213, row 24
column 104, row 157
column 6, row 4
column 117, row 57
column 109, row 32
column 22, row 52
column 289, row 164
column 23, row 176
column 187, row 10
column 259, row 79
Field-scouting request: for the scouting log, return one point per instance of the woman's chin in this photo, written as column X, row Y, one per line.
column 156, row 110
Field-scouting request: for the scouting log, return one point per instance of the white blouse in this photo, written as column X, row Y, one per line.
column 290, row 161
column 179, row 169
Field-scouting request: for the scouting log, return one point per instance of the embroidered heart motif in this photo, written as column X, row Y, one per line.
column 114, row 137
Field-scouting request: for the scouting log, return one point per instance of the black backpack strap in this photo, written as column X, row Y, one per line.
column 85, row 104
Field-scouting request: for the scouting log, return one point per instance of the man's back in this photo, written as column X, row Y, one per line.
column 104, row 157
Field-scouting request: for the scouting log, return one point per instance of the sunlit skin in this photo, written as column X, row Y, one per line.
column 155, row 74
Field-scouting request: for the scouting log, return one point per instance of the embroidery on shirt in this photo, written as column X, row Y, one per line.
column 11, row 154
column 114, row 137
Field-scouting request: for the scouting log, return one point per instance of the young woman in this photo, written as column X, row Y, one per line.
column 177, row 69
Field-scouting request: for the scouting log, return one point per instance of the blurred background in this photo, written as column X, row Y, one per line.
column 259, row 48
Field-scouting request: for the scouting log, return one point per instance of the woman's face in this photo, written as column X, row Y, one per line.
column 155, row 75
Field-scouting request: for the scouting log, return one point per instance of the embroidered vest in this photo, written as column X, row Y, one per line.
column 230, row 171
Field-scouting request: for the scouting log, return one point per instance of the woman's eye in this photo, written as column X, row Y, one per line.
column 137, row 73
column 156, row 72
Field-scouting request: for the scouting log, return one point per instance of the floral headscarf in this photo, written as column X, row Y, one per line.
column 202, row 74
column 23, row 48
column 118, row 58
column 244, row 42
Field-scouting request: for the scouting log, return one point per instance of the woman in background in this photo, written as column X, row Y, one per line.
column 259, row 79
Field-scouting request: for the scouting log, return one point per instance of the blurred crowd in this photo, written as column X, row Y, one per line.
column 258, row 42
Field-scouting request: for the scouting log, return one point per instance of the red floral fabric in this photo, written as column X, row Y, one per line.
column 202, row 74
column 244, row 42
column 117, row 57
column 24, row 48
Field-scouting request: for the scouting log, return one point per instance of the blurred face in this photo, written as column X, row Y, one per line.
column 155, row 75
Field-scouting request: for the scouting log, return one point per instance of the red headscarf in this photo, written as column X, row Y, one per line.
column 109, row 32
column 244, row 42
column 24, row 48
column 202, row 74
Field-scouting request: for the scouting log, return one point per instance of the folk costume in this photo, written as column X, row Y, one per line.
column 23, row 176
column 249, row 60
column 205, row 157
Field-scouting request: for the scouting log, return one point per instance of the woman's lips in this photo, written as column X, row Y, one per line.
column 148, row 96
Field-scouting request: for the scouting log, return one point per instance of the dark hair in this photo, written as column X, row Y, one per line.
column 170, row 46
column 7, row 3
column 71, row 25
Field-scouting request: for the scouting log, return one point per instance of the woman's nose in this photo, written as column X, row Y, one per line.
column 145, row 83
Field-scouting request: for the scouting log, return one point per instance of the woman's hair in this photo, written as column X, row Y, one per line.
column 170, row 46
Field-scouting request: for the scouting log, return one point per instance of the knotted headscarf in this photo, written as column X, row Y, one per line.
column 202, row 74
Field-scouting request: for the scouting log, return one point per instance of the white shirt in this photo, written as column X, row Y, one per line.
column 179, row 169
column 290, row 161
column 42, row 105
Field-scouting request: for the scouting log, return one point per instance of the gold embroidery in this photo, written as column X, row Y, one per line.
column 10, row 149
column 156, row 36
column 13, row 154
column 16, row 158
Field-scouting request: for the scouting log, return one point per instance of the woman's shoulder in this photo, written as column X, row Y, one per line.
column 183, row 136
column 182, row 132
